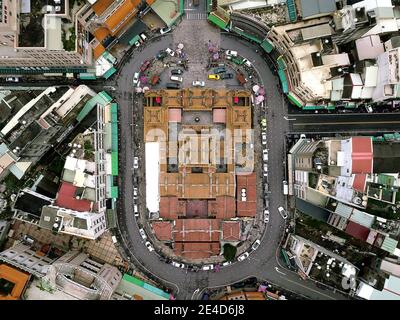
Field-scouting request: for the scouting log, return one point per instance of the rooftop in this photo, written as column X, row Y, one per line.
column 69, row 197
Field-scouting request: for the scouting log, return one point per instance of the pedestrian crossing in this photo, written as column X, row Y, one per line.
column 196, row 16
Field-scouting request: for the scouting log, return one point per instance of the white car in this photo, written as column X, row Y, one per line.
column 302, row 136
column 208, row 267
column 165, row 30
column 198, row 83
column 231, row 53
column 143, row 36
column 243, row 256
column 263, row 138
column 178, row 265
column 135, row 162
column 149, row 246
column 12, row 79
column 265, row 167
column 256, row 244
column 265, row 155
column 142, row 234
column 170, row 52
column 176, row 78
column 136, row 78
column 226, row 263
column 282, row 212
column 135, row 193
column 266, row 216
column 247, row 63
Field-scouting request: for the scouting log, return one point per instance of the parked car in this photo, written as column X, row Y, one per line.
column 282, row 212
column 226, row 263
column 143, row 36
column 243, row 256
column 136, row 210
column 198, row 83
column 136, row 78
column 264, row 138
column 264, row 123
column 172, row 85
column 266, row 216
column 176, row 78
column 226, row 76
column 135, row 192
column 161, row 55
column 208, row 267
column 265, row 167
column 220, row 70
column 135, row 162
column 369, row 109
column 178, row 265
column 177, row 71
column 145, row 65
column 247, row 63
column 12, row 79
column 231, row 53
column 256, row 244
column 149, row 246
column 142, row 234
column 265, row 155
column 170, row 52
column 214, row 77
column 165, row 30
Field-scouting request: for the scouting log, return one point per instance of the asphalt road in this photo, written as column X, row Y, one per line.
column 262, row 263
column 364, row 122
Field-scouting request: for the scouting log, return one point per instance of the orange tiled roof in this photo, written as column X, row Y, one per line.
column 246, row 208
column 18, row 278
column 126, row 11
column 98, row 51
column 101, row 5
column 101, row 33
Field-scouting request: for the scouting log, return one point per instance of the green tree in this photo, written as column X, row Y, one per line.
column 229, row 252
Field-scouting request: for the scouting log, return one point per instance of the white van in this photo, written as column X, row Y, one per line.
column 136, row 210
column 285, row 188
column 176, row 78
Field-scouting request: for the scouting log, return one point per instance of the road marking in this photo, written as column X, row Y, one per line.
column 341, row 123
column 196, row 16
column 318, row 292
column 277, row 270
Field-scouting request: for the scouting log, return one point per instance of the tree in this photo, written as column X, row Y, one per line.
column 229, row 252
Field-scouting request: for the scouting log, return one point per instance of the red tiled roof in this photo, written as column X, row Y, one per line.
column 357, row 231
column 174, row 115
column 246, row 208
column 231, row 230
column 219, row 115
column 197, row 230
column 197, row 250
column 66, row 198
column 362, row 155
column 170, row 207
column 162, row 230
column 223, row 207
column 359, row 182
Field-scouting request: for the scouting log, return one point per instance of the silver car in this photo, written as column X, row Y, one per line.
column 243, row 256
column 142, row 233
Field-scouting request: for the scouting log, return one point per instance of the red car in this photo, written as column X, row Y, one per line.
column 145, row 65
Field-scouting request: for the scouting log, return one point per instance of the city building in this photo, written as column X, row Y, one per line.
column 35, row 38
column 338, row 182
column 43, row 121
column 12, row 282
column 132, row 288
column 85, row 202
column 199, row 167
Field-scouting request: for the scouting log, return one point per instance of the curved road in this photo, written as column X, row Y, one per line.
column 262, row 263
